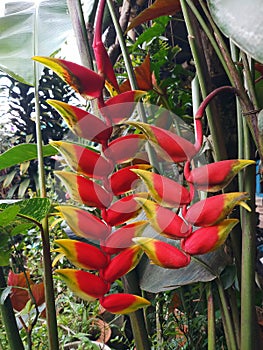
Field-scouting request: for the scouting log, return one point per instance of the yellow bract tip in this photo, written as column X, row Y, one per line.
column 245, row 205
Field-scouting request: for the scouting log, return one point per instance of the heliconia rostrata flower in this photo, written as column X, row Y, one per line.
column 111, row 190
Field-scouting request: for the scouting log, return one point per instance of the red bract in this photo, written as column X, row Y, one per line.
column 83, row 123
column 125, row 180
column 123, row 210
column 163, row 254
column 164, row 190
column 19, row 295
column 103, row 62
column 122, row 238
column 164, row 220
column 124, row 148
column 122, row 263
column 82, row 255
column 207, row 239
column 120, row 107
column 84, row 284
column 211, row 211
column 171, row 147
column 122, row 303
column 215, row 176
column 20, row 292
column 83, row 223
column 86, row 82
column 84, row 190
column 83, row 160
column 143, row 77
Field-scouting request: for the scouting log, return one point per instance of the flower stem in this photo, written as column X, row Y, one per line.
column 248, row 222
column 210, row 318
column 48, row 281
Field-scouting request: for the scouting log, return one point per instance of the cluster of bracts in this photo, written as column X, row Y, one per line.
column 104, row 180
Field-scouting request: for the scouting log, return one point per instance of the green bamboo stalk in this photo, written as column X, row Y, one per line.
column 210, row 318
column 9, row 320
column 47, row 263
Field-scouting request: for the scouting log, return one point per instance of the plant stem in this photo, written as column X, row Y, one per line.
column 210, row 318
column 124, row 51
column 48, row 281
column 215, row 129
column 9, row 320
column 235, row 313
column 229, row 329
column 248, row 318
column 132, row 79
column 209, row 35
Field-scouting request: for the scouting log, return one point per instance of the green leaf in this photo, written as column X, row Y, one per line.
column 8, row 214
column 35, row 208
column 4, row 257
column 5, row 293
column 228, row 276
column 21, row 229
column 9, row 178
column 18, row 34
column 23, row 187
column 155, row 31
column 22, row 153
column 242, row 21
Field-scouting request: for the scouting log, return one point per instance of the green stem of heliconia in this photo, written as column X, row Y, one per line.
column 124, row 51
column 219, row 149
column 9, row 320
column 131, row 76
column 229, row 329
column 228, row 323
column 248, row 223
column 48, row 281
column 210, row 318
column 126, row 57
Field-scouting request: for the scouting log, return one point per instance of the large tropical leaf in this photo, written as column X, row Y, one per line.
column 242, row 21
column 22, row 26
column 22, row 153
